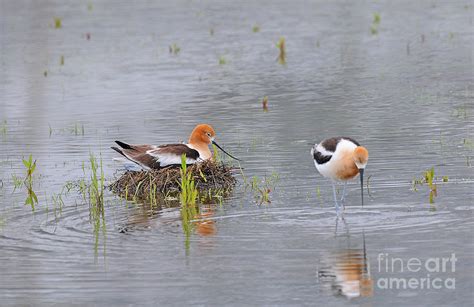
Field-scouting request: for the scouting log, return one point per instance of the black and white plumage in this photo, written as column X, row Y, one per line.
column 340, row 159
column 156, row 157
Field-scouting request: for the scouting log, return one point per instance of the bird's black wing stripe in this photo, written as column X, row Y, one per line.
column 179, row 149
column 320, row 158
column 330, row 144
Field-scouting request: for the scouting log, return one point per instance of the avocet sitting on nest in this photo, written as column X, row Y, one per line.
column 340, row 159
column 161, row 156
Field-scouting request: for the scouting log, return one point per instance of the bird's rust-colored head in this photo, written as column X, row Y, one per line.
column 361, row 157
column 202, row 133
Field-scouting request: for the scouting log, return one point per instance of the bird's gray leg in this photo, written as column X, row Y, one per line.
column 335, row 197
column 343, row 198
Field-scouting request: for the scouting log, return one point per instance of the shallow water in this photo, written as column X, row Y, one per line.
column 405, row 93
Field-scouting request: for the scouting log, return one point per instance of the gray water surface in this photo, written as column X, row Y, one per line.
column 405, row 93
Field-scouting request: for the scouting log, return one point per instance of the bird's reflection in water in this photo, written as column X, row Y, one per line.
column 145, row 216
column 345, row 271
column 205, row 225
column 140, row 217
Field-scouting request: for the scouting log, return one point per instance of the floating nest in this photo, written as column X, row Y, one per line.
column 209, row 176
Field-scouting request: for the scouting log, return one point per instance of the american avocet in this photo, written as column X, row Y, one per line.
column 156, row 157
column 340, row 159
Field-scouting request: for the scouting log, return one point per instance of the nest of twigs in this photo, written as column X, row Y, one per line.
column 161, row 183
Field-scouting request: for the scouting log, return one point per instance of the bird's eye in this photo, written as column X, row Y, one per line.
column 208, row 134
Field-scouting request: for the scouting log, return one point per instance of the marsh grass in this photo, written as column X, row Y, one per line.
column 95, row 194
column 468, row 143
column 57, row 23
column 261, row 188
column 368, row 185
column 216, row 154
column 187, row 197
column 265, row 103
column 174, row 49
column 222, row 60
column 76, row 129
column 256, row 28
column 281, row 45
column 4, row 128
column 17, row 182
column 30, row 165
column 58, row 201
column 61, row 60
column 376, row 20
column 96, row 187
column 188, row 189
column 374, row 28
column 460, row 112
column 429, row 179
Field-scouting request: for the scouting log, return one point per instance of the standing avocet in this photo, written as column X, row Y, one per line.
column 340, row 159
column 156, row 157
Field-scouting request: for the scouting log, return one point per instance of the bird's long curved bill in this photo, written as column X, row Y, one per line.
column 225, row 151
column 361, row 172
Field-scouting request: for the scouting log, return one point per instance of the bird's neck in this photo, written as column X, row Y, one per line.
column 202, row 148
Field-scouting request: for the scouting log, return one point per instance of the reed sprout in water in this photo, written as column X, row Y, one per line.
column 281, row 47
column 376, row 18
column 429, row 179
column 174, row 49
column 265, row 103
column 95, row 193
column 30, row 165
column 374, row 28
column 96, row 187
column 262, row 188
column 187, row 196
column 57, row 23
